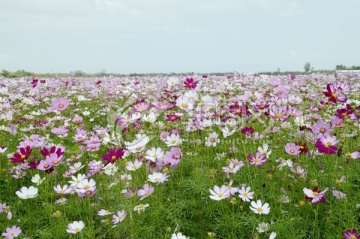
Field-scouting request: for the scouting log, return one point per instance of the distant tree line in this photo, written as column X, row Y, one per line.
column 342, row 67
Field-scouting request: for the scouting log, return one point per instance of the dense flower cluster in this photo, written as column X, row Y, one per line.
column 81, row 137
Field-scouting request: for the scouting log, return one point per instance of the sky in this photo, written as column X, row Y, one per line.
column 153, row 36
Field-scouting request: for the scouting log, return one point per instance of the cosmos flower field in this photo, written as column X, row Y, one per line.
column 202, row 156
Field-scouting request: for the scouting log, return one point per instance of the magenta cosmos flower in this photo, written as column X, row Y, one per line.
column 351, row 234
column 239, row 110
column 172, row 117
column 60, row 103
column 315, row 196
column 59, row 150
column 326, row 144
column 247, row 130
column 22, row 155
column 113, row 155
column 190, row 83
column 335, row 94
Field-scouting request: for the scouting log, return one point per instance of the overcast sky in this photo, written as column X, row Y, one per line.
column 144, row 36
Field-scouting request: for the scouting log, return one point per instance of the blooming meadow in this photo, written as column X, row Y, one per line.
column 203, row 156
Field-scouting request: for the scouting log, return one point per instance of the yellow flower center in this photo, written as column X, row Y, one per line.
column 184, row 105
column 334, row 95
column 23, row 156
column 278, row 116
column 316, row 193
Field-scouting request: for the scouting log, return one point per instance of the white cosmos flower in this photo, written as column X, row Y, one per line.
column 178, row 235
column 184, row 103
column 86, row 185
column 192, row 96
column 245, row 194
column 265, row 150
column 138, row 144
column 219, row 193
column 154, row 153
column 110, row 169
column 158, row 177
column 75, row 227
column 26, row 193
column 151, row 117
column 272, row 235
column 227, row 132
column 77, row 180
column 173, row 140
column 141, row 207
column 263, row 227
column 133, row 166
column 259, row 208
column 212, row 139
column 37, row 179
column 299, row 121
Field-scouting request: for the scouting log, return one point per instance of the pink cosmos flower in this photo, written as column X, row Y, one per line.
column 60, row 104
column 11, row 232
column 163, row 106
column 338, row 194
column 141, row 106
column 173, row 156
column 257, row 160
column 146, row 191
column 351, row 234
column 61, row 131
column 292, row 149
column 119, row 217
column 315, row 196
column 321, row 128
column 280, row 113
column 298, row 170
